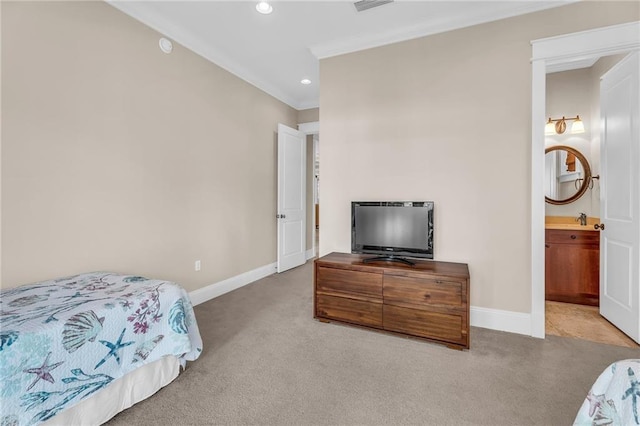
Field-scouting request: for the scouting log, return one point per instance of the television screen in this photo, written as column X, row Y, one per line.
column 400, row 228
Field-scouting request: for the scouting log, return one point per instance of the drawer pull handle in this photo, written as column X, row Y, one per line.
column 546, row 246
column 599, row 226
column 573, row 237
column 439, row 282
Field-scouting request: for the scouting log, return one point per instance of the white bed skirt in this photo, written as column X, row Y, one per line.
column 120, row 394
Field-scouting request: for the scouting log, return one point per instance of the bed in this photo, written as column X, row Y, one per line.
column 78, row 350
column 614, row 398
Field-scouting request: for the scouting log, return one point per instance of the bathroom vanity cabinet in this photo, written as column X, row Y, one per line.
column 572, row 266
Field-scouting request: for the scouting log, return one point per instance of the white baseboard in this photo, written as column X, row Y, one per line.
column 311, row 253
column 495, row 319
column 211, row 291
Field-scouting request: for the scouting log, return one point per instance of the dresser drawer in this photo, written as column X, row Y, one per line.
column 421, row 292
column 351, row 283
column 571, row 236
column 349, row 310
column 447, row 327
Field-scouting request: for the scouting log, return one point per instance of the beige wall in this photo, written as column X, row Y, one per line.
column 309, row 115
column 447, row 118
column 116, row 156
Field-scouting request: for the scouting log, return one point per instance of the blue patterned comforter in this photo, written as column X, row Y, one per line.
column 614, row 398
column 63, row 340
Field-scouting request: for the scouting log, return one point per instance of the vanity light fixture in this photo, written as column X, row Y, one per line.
column 559, row 125
column 264, row 7
column 577, row 126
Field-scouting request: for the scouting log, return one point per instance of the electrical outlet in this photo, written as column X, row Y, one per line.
column 198, row 265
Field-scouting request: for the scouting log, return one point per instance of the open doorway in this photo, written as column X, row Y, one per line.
column 316, row 193
column 311, row 130
column 571, row 248
column 570, row 48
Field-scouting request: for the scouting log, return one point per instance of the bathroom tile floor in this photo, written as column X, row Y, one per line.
column 583, row 322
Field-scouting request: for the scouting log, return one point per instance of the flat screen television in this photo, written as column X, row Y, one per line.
column 392, row 230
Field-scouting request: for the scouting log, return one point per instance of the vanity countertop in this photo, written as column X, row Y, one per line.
column 570, row 223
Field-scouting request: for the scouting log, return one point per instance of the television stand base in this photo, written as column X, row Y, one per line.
column 389, row 259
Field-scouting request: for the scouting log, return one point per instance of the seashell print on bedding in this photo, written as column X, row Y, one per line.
column 79, row 329
column 177, row 317
column 7, row 338
column 51, row 322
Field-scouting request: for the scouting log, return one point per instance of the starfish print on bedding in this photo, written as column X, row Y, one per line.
column 633, row 392
column 43, row 372
column 113, row 349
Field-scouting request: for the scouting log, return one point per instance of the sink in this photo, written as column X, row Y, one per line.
column 570, row 223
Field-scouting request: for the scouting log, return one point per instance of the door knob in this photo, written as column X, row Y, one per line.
column 599, row 226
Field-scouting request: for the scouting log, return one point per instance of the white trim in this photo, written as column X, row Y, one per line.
column 382, row 38
column 312, row 128
column 538, row 97
column 212, row 291
column 495, row 319
column 572, row 65
column 586, row 44
column 552, row 51
column 140, row 12
column 311, row 253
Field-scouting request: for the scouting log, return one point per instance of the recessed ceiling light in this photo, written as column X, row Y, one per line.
column 305, row 81
column 264, row 8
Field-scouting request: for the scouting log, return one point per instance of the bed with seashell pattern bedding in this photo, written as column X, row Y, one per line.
column 68, row 340
column 614, row 398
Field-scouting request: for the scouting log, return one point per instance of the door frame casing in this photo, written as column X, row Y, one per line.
column 549, row 52
column 311, row 128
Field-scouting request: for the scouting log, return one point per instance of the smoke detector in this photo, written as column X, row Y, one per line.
column 368, row 4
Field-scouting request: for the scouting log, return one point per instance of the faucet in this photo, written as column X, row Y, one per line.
column 582, row 218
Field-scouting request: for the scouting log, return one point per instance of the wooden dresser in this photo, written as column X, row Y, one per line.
column 572, row 266
column 429, row 300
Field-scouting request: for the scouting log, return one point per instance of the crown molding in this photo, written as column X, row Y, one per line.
column 193, row 43
column 354, row 44
column 572, row 65
column 593, row 42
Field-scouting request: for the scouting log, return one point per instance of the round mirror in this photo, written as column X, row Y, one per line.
column 567, row 174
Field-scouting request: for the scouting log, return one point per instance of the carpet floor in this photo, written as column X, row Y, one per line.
column 266, row 361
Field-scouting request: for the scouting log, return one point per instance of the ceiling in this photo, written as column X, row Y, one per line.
column 275, row 52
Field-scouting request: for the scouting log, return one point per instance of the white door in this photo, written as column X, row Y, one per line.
column 291, row 216
column 620, row 196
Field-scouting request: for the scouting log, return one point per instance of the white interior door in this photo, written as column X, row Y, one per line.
column 291, row 215
column 620, row 196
